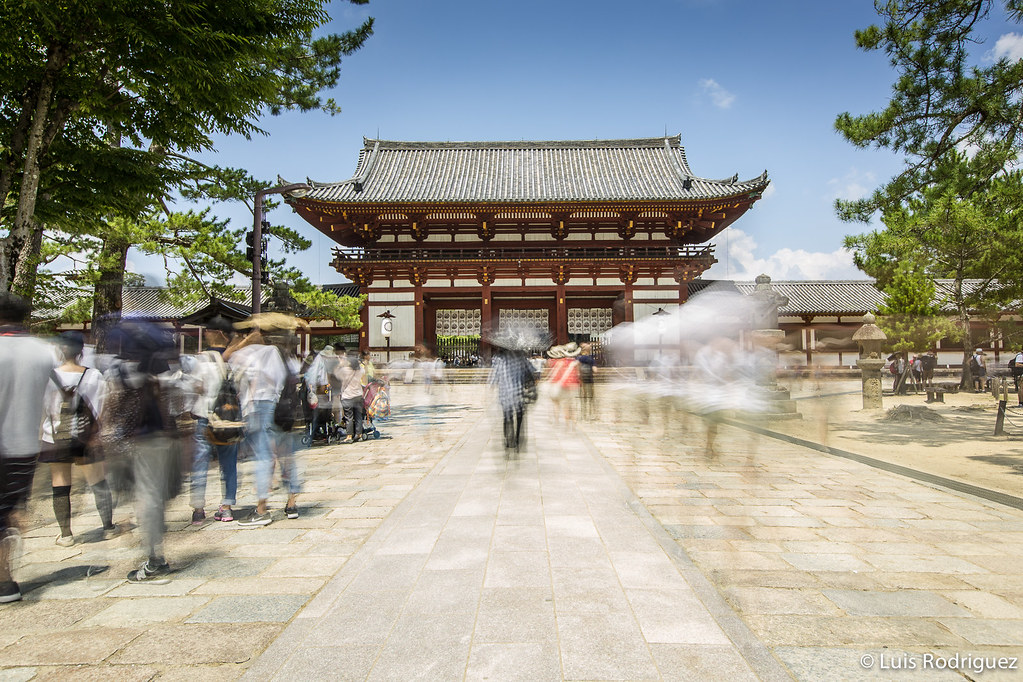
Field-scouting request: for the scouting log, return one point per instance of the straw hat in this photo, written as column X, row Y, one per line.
column 556, row 353
column 572, row 349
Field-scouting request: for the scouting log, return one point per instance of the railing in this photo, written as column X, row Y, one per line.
column 516, row 253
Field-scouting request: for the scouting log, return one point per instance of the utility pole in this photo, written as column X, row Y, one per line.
column 257, row 238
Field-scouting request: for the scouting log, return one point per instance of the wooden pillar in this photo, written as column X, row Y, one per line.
column 486, row 318
column 683, row 292
column 560, row 315
column 419, row 315
column 630, row 315
column 364, row 318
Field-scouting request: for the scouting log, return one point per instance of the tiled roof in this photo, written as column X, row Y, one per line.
column 648, row 169
column 824, row 296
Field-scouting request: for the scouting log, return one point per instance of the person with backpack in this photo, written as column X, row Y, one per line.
column 978, row 369
column 25, row 367
column 1016, row 367
column 218, row 423
column 264, row 373
column 74, row 399
column 139, row 429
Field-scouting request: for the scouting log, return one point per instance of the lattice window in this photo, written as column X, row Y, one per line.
column 458, row 322
column 513, row 319
column 589, row 320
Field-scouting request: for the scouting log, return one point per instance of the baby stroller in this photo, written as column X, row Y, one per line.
column 376, row 396
column 321, row 427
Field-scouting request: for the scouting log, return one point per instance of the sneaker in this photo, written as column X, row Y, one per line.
column 198, row 516
column 224, row 514
column 9, row 591
column 156, row 575
column 292, row 512
column 111, row 533
column 65, row 540
column 256, row 519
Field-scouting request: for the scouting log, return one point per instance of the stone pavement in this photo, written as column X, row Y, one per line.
column 614, row 551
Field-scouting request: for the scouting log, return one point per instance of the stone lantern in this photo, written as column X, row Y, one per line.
column 871, row 341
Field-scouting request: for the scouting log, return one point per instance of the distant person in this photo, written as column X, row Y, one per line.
column 74, row 400
column 350, row 374
column 515, row 379
column 26, row 364
column 587, row 368
column 978, row 369
column 1017, row 372
column 928, row 363
column 563, row 381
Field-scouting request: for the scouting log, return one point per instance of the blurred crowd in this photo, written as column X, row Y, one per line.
column 143, row 422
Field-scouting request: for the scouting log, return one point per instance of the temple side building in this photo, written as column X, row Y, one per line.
column 461, row 239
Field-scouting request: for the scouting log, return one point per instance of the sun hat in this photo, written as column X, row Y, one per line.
column 572, row 349
column 556, row 353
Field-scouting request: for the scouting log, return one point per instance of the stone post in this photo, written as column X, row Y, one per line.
column 871, row 340
column 766, row 337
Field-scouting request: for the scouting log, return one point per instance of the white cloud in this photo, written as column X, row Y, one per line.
column 853, row 185
column 721, row 98
column 1009, row 46
column 737, row 257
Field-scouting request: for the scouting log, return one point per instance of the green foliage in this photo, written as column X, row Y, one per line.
column 943, row 101
column 101, row 101
column 343, row 310
column 910, row 316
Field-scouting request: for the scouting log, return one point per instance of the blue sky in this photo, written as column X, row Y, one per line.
column 749, row 85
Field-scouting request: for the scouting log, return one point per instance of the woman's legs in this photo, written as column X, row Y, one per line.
column 60, row 474
column 95, row 476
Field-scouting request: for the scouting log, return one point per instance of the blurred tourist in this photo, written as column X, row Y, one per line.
column 515, row 379
column 74, row 401
column 211, row 373
column 26, row 364
column 139, row 426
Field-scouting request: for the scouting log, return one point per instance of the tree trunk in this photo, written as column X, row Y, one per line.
column 20, row 249
column 106, row 305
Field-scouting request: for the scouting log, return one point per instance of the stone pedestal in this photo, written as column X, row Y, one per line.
column 870, row 368
column 776, row 399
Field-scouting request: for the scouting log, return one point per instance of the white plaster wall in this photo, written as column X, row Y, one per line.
column 659, row 295
column 507, row 283
column 380, row 296
column 610, row 282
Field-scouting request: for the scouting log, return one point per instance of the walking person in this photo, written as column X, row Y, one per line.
column 139, row 425
column 25, row 367
column 515, row 379
column 262, row 371
column 563, row 381
column 74, row 400
column 587, row 367
column 350, row 373
column 211, row 371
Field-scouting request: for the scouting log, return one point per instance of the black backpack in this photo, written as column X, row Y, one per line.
column 77, row 422
column 288, row 411
column 226, row 425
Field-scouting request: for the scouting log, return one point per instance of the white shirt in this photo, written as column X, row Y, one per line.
column 25, row 366
column 260, row 374
column 92, row 389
